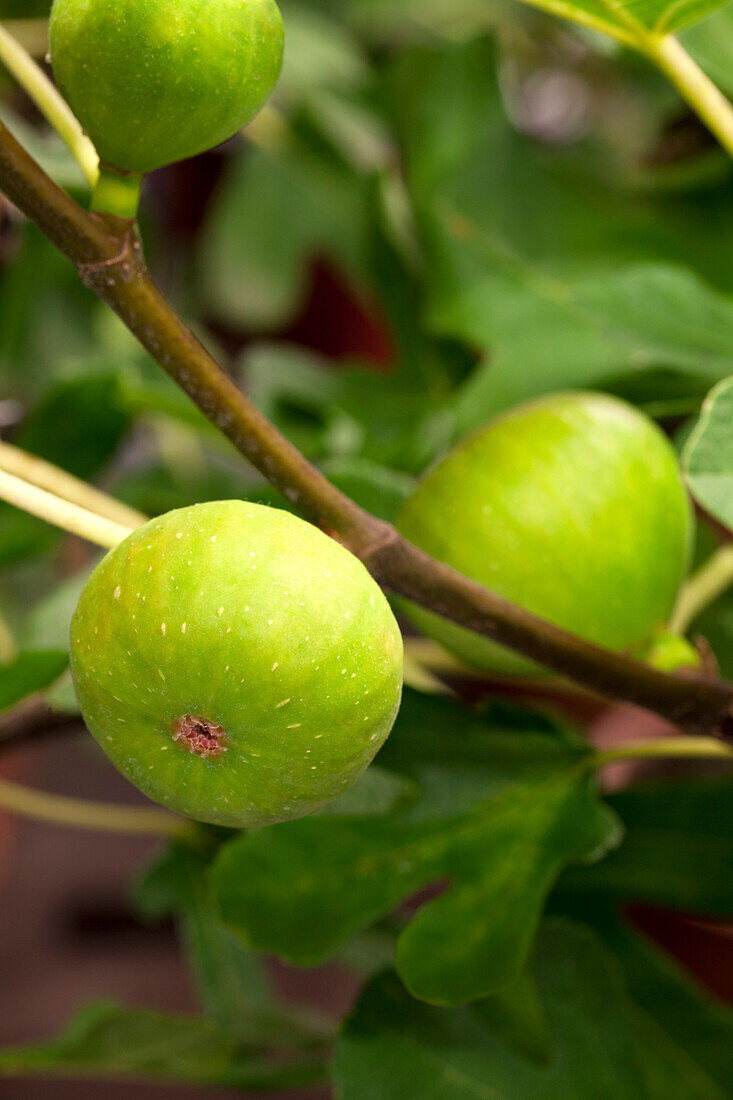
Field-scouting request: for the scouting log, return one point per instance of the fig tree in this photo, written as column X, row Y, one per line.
column 571, row 506
column 156, row 81
column 235, row 663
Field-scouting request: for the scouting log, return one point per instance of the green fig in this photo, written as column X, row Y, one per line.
column 156, row 81
column 571, row 506
column 235, row 663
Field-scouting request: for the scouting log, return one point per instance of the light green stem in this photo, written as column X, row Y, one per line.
column 711, row 580
column 61, row 513
column 116, row 193
column 36, row 471
column 682, row 747
column 77, row 813
column 694, row 86
column 50, row 103
column 8, row 647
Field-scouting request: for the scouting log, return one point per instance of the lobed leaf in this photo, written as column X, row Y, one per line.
column 497, row 823
column 627, row 20
column 601, row 1043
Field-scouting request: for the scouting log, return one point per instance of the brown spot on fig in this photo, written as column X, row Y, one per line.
column 199, row 736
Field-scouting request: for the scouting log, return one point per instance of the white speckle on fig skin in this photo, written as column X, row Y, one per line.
column 215, row 692
column 117, row 592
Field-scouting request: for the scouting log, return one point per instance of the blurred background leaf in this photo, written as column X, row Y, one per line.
column 29, row 673
column 105, row 1038
column 708, row 455
column 677, row 849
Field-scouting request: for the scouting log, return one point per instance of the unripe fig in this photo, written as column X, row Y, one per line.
column 571, row 506
column 156, row 81
column 235, row 663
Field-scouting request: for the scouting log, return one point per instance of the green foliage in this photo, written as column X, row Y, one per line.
column 602, row 1043
column 629, row 20
column 331, row 414
column 29, row 673
column 517, row 207
column 231, row 979
column 708, row 457
column 711, row 44
column 715, row 624
column 105, row 1038
column 57, row 429
column 258, row 278
column 566, row 300
column 24, row 9
column 496, row 815
column 699, row 1024
column 677, row 849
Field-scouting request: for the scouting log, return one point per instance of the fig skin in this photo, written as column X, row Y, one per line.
column 257, row 626
column 571, row 506
column 157, row 81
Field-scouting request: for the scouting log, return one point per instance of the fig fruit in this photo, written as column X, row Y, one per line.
column 571, row 506
column 235, row 663
column 156, row 81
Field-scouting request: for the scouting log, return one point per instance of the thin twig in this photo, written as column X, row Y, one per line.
column 685, row 748
column 54, row 480
column 108, row 255
column 712, row 579
column 77, row 813
column 62, row 513
column 694, row 86
column 50, row 103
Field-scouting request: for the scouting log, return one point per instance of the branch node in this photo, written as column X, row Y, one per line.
column 124, row 267
column 387, row 538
